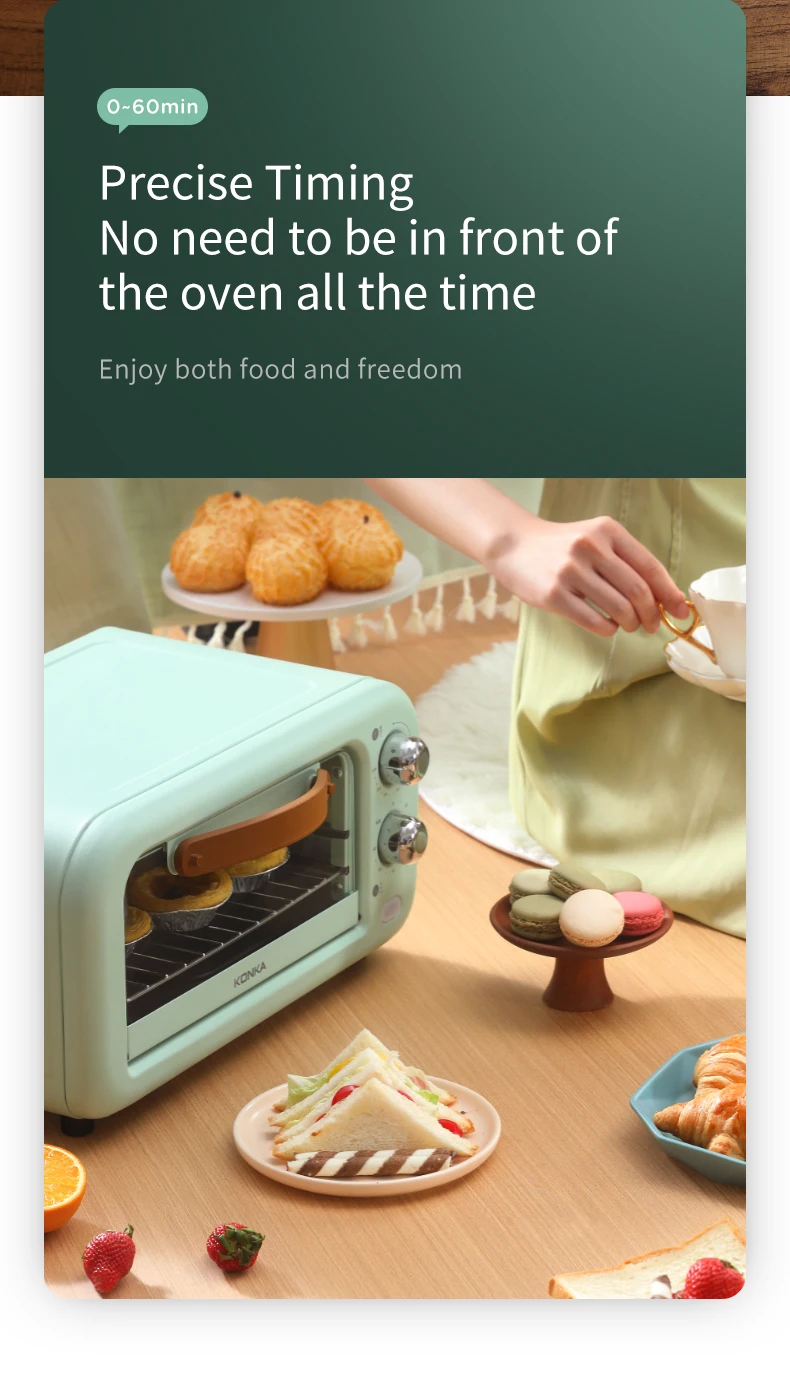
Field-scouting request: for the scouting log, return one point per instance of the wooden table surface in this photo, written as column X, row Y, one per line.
column 576, row 1182
column 22, row 47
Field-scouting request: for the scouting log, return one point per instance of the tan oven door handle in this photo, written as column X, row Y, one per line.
column 236, row 843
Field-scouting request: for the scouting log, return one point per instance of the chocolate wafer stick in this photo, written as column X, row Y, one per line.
column 355, row 1164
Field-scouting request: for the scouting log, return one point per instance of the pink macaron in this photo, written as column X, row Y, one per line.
column 643, row 912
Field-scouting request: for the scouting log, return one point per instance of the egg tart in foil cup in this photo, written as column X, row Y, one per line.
column 179, row 903
column 253, row 874
column 137, row 925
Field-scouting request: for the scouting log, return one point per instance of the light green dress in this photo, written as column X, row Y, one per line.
column 614, row 759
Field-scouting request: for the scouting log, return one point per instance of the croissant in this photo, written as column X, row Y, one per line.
column 721, row 1064
column 715, row 1120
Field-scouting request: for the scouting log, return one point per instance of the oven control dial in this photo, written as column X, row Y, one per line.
column 403, row 761
column 403, row 839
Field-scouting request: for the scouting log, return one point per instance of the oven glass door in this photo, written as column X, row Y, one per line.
column 181, row 970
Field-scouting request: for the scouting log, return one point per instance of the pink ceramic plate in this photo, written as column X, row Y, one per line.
column 254, row 1138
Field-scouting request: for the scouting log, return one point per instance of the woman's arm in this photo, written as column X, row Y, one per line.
column 557, row 566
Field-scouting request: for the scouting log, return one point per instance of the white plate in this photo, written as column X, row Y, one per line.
column 240, row 605
column 692, row 665
column 254, row 1139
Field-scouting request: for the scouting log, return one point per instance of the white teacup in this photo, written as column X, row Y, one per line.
column 718, row 599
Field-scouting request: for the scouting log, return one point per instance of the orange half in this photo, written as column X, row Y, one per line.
column 64, row 1186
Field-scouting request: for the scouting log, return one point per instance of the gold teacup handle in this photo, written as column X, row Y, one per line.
column 686, row 634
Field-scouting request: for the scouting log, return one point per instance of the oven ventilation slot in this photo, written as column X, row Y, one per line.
column 165, row 965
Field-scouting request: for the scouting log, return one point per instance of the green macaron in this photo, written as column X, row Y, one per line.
column 536, row 917
column 534, row 881
column 615, row 880
column 565, row 880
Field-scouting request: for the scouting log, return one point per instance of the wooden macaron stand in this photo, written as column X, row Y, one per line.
column 579, row 981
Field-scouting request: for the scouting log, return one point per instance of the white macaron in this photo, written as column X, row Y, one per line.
column 591, row 919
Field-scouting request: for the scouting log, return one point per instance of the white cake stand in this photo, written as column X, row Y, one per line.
column 301, row 632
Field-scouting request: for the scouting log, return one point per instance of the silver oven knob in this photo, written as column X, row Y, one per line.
column 403, row 839
column 403, row 760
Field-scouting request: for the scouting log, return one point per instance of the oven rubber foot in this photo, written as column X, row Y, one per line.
column 76, row 1125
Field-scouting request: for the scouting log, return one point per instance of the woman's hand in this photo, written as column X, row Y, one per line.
column 558, row 566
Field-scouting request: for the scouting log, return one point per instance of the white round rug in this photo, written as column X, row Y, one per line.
column 465, row 720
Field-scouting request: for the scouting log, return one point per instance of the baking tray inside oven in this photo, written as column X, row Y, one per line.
column 166, row 964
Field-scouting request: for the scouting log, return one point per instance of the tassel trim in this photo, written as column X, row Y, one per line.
column 488, row 604
column 434, row 620
column 512, row 609
column 466, row 612
column 415, row 623
column 335, row 637
column 418, row 623
column 236, row 643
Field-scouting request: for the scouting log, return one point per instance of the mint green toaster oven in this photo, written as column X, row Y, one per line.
column 159, row 752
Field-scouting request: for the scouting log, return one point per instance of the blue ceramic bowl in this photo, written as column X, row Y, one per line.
column 672, row 1083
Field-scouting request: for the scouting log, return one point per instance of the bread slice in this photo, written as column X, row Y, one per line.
column 357, row 1070
column 364, row 1040
column 399, row 1077
column 301, row 1086
column 374, row 1117
column 633, row 1278
column 366, row 1065
column 423, row 1081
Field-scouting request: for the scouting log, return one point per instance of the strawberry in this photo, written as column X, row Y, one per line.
column 713, row 1279
column 234, row 1247
column 108, row 1257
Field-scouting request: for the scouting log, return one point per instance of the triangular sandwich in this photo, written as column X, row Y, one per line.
column 373, row 1117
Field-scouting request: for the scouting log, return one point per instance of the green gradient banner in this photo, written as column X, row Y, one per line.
column 438, row 234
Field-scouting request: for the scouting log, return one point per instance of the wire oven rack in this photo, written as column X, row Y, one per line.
column 167, row 964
